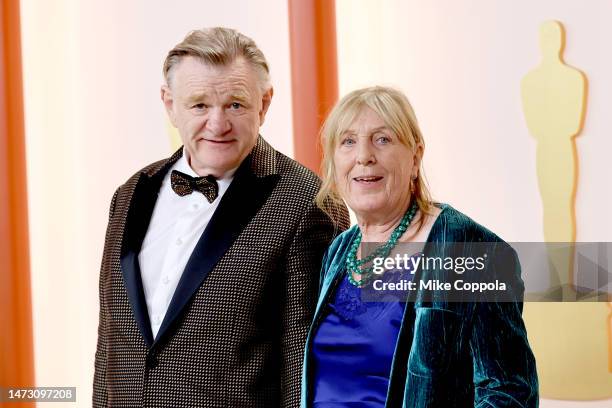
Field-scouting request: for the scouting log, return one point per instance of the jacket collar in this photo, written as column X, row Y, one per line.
column 255, row 178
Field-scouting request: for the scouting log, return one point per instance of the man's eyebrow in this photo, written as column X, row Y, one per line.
column 239, row 96
column 196, row 97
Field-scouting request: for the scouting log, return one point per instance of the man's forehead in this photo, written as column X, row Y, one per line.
column 195, row 68
column 196, row 77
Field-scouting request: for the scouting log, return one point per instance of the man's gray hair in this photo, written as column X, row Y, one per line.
column 219, row 46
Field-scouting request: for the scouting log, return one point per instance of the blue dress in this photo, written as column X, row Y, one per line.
column 451, row 354
column 354, row 345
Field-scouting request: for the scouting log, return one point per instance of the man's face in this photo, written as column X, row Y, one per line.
column 217, row 110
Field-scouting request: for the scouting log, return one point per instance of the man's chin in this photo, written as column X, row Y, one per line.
column 211, row 165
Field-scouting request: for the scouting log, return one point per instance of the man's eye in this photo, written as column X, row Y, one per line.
column 235, row 105
column 199, row 106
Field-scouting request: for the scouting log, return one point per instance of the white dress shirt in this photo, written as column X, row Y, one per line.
column 175, row 228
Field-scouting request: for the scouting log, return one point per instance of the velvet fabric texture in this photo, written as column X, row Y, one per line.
column 448, row 354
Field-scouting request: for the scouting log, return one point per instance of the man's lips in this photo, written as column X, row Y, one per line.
column 219, row 142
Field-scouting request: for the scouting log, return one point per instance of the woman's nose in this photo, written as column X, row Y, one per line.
column 365, row 153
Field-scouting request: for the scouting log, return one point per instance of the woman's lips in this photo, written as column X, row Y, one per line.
column 367, row 180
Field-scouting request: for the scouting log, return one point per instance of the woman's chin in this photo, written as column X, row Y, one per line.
column 365, row 210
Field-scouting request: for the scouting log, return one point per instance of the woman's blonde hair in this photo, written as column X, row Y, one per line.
column 397, row 113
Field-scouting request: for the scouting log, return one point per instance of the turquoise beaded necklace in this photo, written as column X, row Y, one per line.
column 357, row 266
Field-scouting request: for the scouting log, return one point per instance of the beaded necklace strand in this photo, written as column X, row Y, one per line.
column 358, row 266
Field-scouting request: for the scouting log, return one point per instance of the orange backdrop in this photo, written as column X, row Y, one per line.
column 314, row 73
column 16, row 350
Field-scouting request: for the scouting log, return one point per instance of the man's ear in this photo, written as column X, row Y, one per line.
column 266, row 99
column 167, row 99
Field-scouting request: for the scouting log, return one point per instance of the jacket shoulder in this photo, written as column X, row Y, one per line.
column 293, row 172
column 336, row 253
column 126, row 189
column 302, row 185
column 455, row 226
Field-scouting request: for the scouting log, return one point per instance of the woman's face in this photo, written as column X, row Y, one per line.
column 373, row 168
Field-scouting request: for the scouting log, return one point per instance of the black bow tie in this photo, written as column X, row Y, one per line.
column 183, row 184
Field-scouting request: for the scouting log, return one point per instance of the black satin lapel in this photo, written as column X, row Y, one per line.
column 238, row 206
column 139, row 216
column 133, row 286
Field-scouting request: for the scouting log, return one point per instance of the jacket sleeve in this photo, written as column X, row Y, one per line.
column 504, row 366
column 100, row 397
column 313, row 235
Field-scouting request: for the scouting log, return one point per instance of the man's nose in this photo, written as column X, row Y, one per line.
column 218, row 123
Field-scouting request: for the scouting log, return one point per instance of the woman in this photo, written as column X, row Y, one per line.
column 433, row 351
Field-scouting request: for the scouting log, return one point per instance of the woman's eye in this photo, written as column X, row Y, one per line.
column 348, row 141
column 383, row 139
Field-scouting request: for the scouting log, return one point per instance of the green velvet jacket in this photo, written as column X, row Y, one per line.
column 448, row 354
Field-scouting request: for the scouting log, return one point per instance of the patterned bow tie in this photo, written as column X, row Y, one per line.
column 183, row 184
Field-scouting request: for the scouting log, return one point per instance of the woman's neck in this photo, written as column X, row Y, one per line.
column 379, row 229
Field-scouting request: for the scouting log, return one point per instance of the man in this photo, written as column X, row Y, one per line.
column 211, row 261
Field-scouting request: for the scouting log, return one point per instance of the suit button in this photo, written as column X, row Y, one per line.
column 152, row 360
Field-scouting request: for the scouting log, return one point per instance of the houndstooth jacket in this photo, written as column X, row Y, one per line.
column 234, row 333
